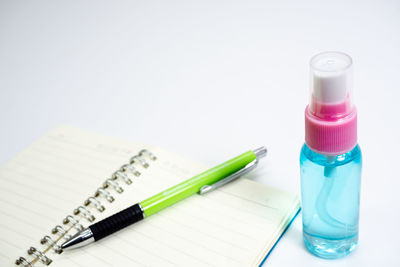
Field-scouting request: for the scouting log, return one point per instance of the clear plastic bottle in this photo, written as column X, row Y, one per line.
column 330, row 160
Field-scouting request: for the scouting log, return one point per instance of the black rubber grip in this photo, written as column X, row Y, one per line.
column 116, row 222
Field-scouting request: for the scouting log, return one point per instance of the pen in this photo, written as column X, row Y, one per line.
column 201, row 183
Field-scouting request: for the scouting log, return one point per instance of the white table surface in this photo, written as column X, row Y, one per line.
column 208, row 80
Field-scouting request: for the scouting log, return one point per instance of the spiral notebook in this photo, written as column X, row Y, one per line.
column 71, row 178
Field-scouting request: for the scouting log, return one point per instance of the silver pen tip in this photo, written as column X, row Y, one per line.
column 80, row 239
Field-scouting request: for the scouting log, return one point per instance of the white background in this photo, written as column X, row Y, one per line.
column 209, row 80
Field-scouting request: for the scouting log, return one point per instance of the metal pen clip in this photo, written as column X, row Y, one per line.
column 260, row 152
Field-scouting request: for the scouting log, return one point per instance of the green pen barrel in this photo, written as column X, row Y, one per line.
column 192, row 186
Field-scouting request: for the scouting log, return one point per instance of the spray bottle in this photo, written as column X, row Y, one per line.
column 330, row 160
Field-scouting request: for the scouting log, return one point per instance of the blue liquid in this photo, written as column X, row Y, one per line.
column 330, row 193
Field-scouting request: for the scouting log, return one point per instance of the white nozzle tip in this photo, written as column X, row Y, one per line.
column 331, row 77
column 330, row 62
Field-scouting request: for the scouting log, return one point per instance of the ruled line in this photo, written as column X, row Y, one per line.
column 16, row 232
column 194, row 242
column 35, row 189
column 25, row 210
column 19, row 173
column 176, row 249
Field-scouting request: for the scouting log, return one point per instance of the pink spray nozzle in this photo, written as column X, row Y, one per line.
column 331, row 119
column 331, row 89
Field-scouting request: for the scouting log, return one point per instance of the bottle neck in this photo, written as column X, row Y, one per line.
column 323, row 160
column 331, row 137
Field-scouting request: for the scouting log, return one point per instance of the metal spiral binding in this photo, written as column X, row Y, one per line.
column 140, row 159
column 61, row 231
column 39, row 255
column 51, row 243
column 23, row 261
column 92, row 202
column 97, row 204
column 71, row 220
column 130, row 168
column 113, row 184
column 104, row 193
column 145, row 152
column 121, row 175
column 85, row 212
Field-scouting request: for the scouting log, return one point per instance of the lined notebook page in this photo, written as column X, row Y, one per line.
column 233, row 226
